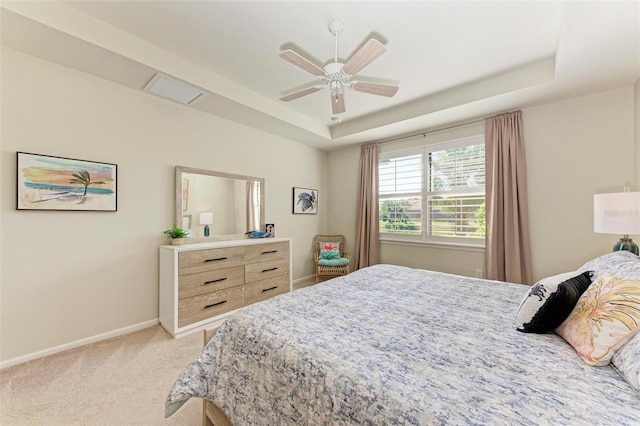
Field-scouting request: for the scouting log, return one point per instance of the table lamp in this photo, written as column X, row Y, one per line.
column 618, row 213
column 206, row 219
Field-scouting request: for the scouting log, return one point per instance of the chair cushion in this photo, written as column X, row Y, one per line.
column 341, row 261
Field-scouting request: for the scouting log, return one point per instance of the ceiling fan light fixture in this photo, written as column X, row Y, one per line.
column 336, row 87
column 337, row 103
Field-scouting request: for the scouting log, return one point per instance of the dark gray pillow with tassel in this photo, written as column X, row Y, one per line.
column 550, row 301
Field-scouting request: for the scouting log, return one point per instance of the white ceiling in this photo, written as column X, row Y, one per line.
column 454, row 61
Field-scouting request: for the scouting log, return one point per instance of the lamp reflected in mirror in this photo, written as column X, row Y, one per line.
column 206, row 219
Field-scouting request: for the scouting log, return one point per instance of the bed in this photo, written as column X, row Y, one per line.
column 394, row 345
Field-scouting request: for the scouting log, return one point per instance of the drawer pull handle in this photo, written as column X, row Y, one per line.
column 215, row 281
column 270, row 251
column 215, row 304
column 269, row 289
column 216, row 259
column 269, row 270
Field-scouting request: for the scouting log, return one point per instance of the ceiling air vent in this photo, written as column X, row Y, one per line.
column 173, row 89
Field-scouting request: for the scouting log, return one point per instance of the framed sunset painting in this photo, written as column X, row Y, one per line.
column 57, row 183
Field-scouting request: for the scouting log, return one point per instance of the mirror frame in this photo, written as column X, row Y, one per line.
column 179, row 170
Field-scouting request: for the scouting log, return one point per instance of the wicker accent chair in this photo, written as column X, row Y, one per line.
column 330, row 271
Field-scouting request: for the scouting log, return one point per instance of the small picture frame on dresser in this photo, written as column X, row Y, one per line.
column 270, row 229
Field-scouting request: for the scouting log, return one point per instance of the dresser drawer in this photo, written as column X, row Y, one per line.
column 201, row 284
column 204, row 282
column 205, row 306
column 190, row 262
column 264, row 289
column 262, row 270
column 262, row 252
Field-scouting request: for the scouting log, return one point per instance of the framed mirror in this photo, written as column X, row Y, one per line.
column 214, row 205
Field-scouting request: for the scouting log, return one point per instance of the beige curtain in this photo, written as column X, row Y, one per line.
column 508, row 254
column 252, row 207
column 367, row 247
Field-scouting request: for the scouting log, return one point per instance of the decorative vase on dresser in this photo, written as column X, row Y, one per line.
column 203, row 283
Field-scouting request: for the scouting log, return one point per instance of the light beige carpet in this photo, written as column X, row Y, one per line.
column 120, row 381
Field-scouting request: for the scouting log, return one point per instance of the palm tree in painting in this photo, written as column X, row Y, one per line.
column 84, row 178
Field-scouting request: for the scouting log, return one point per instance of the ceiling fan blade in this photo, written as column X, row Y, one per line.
column 300, row 93
column 296, row 59
column 375, row 88
column 371, row 51
column 337, row 103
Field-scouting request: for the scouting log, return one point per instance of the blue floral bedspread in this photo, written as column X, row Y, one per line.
column 393, row 345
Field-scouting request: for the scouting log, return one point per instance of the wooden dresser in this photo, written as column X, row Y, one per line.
column 203, row 283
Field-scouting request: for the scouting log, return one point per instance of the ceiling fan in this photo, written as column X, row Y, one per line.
column 336, row 76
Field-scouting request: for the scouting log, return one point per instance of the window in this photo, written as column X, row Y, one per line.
column 434, row 194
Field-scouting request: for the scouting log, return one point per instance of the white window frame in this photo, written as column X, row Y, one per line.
column 424, row 238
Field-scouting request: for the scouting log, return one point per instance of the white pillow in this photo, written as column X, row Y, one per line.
column 550, row 301
column 623, row 264
column 627, row 362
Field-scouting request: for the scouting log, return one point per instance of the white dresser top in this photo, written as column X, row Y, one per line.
column 224, row 243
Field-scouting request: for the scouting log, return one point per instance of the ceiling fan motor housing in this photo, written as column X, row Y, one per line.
column 335, row 76
column 334, row 68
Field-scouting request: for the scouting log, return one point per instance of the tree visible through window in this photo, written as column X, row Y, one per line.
column 449, row 178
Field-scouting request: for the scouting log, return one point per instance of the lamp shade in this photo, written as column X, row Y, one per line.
column 206, row 218
column 617, row 213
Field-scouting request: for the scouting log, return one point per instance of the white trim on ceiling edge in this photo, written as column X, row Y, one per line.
column 75, row 344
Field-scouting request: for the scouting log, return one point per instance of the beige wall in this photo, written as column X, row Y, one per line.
column 574, row 149
column 636, row 151
column 67, row 276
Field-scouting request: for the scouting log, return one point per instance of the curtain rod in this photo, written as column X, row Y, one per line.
column 466, row 123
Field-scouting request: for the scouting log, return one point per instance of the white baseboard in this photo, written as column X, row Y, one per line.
column 72, row 345
column 61, row 348
column 308, row 277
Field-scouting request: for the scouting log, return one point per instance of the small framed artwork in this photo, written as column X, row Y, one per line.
column 58, row 183
column 270, row 228
column 186, row 221
column 185, row 194
column 305, row 201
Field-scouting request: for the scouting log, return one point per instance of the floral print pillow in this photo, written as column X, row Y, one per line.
column 606, row 316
